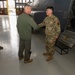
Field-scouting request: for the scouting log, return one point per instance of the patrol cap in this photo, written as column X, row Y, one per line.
column 50, row 7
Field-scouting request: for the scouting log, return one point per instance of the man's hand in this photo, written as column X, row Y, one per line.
column 56, row 37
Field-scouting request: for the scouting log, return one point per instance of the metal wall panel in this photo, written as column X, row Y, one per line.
column 62, row 9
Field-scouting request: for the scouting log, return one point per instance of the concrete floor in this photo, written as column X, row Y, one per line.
column 10, row 65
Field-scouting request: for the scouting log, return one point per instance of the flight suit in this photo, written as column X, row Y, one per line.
column 25, row 23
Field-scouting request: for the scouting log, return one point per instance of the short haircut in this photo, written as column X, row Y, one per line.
column 50, row 7
column 26, row 5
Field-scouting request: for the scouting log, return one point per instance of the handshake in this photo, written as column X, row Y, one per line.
column 25, row 23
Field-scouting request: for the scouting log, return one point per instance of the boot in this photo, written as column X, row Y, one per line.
column 46, row 53
column 20, row 58
column 27, row 58
column 49, row 58
column 28, row 61
column 1, row 47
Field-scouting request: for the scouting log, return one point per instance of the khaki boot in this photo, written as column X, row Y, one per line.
column 29, row 61
column 46, row 53
column 20, row 58
column 49, row 58
column 1, row 47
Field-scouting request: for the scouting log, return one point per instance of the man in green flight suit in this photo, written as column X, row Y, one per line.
column 25, row 23
column 52, row 31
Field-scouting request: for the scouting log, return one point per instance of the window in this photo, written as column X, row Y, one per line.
column 27, row 1
column 20, row 6
column 20, row 1
column 23, row 1
column 5, row 4
column 16, row 1
column 30, row 0
column 1, row 4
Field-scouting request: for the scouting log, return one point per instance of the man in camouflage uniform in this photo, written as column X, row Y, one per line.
column 52, row 31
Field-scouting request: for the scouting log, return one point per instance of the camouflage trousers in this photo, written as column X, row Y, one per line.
column 50, row 42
